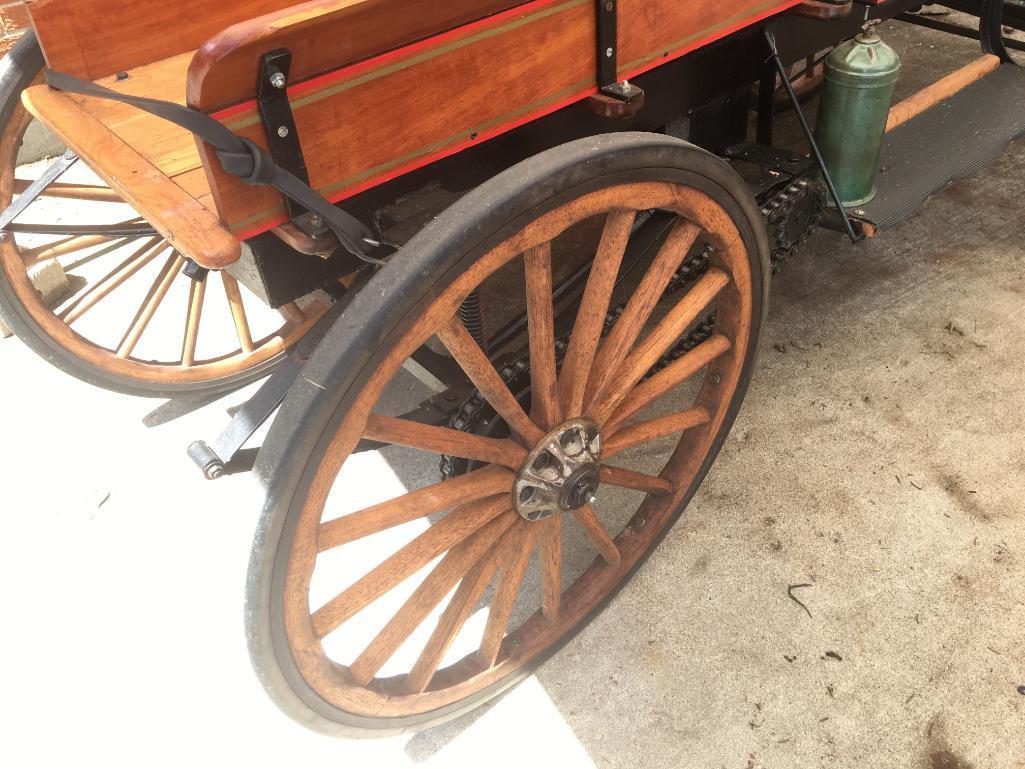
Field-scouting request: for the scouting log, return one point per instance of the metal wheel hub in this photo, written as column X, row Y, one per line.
column 562, row 473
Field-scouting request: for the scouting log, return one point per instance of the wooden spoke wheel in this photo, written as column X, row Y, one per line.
column 369, row 615
column 87, row 284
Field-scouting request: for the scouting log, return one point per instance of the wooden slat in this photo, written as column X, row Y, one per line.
column 356, row 28
column 656, row 344
column 479, row 484
column 188, row 226
column 629, row 479
column 444, row 535
column 550, row 561
column 651, row 289
column 443, row 440
column 96, row 38
column 454, row 617
column 443, row 91
column 478, row 368
column 942, row 89
column 653, row 429
column 594, row 308
column 595, row 531
column 544, row 394
column 428, row 595
column 504, row 600
column 666, row 380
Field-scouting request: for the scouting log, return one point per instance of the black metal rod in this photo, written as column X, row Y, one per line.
column 766, row 104
column 952, row 29
column 770, row 39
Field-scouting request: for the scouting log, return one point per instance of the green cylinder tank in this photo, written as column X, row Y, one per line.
column 860, row 79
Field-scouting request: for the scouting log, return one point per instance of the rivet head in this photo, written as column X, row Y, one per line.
column 716, row 379
column 609, row 52
column 283, row 132
column 278, row 80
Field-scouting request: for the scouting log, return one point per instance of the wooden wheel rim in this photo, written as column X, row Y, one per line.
column 334, row 683
column 171, row 373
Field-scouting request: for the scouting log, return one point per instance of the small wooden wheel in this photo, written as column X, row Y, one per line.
column 371, row 618
column 123, row 315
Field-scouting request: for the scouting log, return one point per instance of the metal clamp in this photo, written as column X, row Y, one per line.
column 608, row 55
column 282, row 134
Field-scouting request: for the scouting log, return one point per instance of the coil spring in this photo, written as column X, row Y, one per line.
column 471, row 313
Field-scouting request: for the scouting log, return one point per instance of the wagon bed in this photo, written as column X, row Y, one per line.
column 366, row 109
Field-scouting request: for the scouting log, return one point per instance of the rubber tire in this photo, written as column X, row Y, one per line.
column 366, row 330
column 17, row 71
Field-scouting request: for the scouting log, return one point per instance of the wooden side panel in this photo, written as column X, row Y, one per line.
column 376, row 120
column 224, row 69
column 188, row 225
column 97, row 38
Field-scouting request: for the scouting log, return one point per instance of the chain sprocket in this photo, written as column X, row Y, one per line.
column 791, row 215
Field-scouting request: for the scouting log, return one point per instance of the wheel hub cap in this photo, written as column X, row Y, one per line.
column 561, row 473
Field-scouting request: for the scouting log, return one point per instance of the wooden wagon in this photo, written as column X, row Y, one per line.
column 509, row 242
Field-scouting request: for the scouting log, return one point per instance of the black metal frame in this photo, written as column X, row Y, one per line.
column 608, row 54
column 282, row 134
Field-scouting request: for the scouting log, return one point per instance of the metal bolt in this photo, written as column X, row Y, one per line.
column 609, row 52
column 283, row 132
column 278, row 80
column 859, row 211
column 316, row 221
column 610, row 6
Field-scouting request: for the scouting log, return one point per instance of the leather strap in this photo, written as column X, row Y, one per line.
column 239, row 156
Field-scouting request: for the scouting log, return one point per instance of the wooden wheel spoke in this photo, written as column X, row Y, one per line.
column 457, row 612
column 456, row 563
column 293, row 313
column 667, row 380
column 478, row 368
column 653, row 285
column 64, row 247
column 85, row 192
column 593, row 310
column 444, row 535
column 544, row 395
column 238, row 311
column 514, row 568
column 444, row 440
column 157, row 293
column 193, row 316
column 110, row 282
column 595, row 531
column 654, row 429
column 647, row 353
column 551, row 567
column 421, row 503
column 628, row 479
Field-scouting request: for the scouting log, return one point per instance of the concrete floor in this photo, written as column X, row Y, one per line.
column 879, row 460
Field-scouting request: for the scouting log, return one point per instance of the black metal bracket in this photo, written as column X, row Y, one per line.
column 282, row 134
column 608, row 55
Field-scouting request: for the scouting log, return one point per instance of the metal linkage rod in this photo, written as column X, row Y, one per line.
column 770, row 39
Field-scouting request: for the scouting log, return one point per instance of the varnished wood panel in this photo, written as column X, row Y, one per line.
column 97, row 38
column 375, row 120
column 187, row 225
column 225, row 68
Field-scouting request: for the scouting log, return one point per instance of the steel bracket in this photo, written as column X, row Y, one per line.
column 282, row 134
column 609, row 83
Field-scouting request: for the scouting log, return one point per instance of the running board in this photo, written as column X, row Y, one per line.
column 946, row 143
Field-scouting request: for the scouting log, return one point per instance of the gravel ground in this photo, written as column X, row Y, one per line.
column 879, row 462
